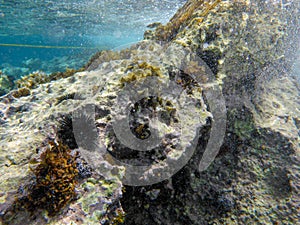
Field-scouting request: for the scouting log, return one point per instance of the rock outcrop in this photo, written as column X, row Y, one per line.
column 212, row 59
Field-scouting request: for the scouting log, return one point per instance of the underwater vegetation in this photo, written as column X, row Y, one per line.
column 141, row 70
column 6, row 83
column 253, row 180
column 101, row 56
column 56, row 176
column 31, row 81
column 21, row 92
column 183, row 16
column 34, row 79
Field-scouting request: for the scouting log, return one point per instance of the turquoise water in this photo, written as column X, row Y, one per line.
column 65, row 34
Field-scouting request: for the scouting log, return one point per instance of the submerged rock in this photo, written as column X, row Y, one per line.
column 144, row 117
column 6, row 84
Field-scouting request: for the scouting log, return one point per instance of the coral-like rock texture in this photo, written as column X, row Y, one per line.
column 249, row 47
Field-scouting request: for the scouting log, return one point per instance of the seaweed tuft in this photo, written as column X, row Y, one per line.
column 55, row 180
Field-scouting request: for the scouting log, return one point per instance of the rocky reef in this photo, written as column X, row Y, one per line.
column 216, row 66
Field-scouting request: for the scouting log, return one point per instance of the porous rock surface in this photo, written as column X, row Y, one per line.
column 255, row 177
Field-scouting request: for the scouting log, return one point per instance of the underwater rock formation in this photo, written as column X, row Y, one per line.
column 5, row 83
column 253, row 179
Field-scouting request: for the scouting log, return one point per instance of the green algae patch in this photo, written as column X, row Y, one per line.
column 92, row 201
column 88, row 201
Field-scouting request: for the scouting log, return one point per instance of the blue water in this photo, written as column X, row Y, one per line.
column 90, row 25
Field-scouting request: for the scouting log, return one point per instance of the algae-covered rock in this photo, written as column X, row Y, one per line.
column 6, row 84
column 141, row 119
column 45, row 112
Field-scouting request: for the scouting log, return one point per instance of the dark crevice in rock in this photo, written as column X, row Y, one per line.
column 172, row 201
column 210, row 58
